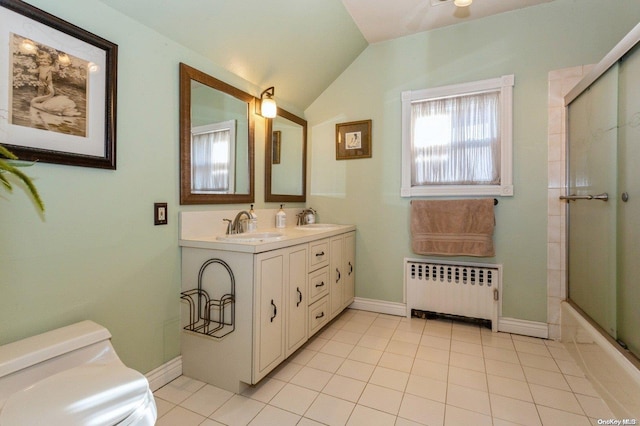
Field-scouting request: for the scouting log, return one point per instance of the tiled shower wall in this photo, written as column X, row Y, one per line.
column 560, row 82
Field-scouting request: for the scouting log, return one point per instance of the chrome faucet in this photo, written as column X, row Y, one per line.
column 236, row 226
column 306, row 217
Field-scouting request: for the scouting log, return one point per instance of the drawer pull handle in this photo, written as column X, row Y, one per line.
column 299, row 296
column 320, row 254
column 350, row 268
column 275, row 310
column 320, row 316
column 338, row 276
column 320, row 285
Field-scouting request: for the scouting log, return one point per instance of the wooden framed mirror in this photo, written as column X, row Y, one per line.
column 286, row 158
column 216, row 140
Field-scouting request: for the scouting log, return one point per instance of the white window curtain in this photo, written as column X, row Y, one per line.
column 456, row 140
column 212, row 158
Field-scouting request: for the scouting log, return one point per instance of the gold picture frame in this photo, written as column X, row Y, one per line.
column 353, row 140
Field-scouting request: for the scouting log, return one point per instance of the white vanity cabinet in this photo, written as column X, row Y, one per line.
column 280, row 312
column 342, row 271
column 283, row 295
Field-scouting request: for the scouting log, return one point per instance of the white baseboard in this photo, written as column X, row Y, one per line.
column 379, row 306
column 164, row 374
column 507, row 325
column 524, row 327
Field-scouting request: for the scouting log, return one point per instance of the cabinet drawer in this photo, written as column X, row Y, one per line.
column 318, row 254
column 318, row 315
column 318, row 284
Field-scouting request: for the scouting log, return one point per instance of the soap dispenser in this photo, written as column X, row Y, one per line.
column 281, row 218
column 253, row 222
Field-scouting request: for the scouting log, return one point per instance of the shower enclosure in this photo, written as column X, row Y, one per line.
column 603, row 195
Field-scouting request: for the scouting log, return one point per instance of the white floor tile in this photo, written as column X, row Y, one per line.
column 344, row 388
column 374, row 369
column 514, row 410
column 455, row 416
column 517, row 389
column 294, row 398
column 426, row 387
column 554, row 417
column 422, row 410
column 356, row 370
column 311, row 378
column 389, row 378
column 362, row 415
column 180, row 416
column 467, row 398
column 381, row 398
column 239, row 410
column 206, row 400
column 270, row 416
column 330, row 410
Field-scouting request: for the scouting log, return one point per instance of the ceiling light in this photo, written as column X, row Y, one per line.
column 462, row 3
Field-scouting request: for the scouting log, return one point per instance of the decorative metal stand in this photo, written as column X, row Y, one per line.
column 212, row 317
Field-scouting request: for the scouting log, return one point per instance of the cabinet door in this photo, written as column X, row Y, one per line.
column 269, row 312
column 297, row 299
column 336, row 271
column 349, row 268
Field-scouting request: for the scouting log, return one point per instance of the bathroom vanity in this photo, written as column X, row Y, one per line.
column 284, row 284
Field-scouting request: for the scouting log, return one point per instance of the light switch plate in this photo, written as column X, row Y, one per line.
column 160, row 213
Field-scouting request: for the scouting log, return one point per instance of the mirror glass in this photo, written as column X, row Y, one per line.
column 286, row 158
column 216, row 140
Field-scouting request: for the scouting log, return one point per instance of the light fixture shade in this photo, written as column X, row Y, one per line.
column 268, row 108
column 462, row 3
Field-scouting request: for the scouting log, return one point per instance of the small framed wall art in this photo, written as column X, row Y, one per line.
column 353, row 140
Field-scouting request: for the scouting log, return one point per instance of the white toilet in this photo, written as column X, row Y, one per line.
column 71, row 376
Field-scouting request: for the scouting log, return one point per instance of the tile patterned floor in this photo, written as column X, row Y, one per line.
column 373, row 369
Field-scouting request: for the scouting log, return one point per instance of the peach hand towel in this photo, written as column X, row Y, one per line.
column 453, row 227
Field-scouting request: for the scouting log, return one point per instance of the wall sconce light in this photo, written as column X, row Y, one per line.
column 268, row 107
column 462, row 3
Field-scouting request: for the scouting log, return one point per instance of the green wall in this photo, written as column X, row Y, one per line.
column 528, row 43
column 95, row 254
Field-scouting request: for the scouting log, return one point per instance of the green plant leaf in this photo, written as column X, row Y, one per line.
column 7, row 167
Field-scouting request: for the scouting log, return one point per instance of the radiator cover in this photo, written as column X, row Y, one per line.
column 471, row 290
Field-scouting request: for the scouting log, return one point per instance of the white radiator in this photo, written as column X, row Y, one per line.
column 469, row 290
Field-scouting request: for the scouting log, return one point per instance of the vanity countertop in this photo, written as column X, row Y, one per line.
column 291, row 235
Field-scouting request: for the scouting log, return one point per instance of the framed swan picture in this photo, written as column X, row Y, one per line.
column 60, row 86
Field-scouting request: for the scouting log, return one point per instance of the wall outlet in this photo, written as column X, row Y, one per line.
column 160, row 213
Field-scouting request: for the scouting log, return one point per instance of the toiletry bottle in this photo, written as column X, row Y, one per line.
column 281, row 218
column 253, row 222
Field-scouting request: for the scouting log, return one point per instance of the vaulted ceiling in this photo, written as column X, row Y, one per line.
column 298, row 46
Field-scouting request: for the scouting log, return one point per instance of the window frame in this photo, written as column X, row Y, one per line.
column 222, row 126
column 504, row 85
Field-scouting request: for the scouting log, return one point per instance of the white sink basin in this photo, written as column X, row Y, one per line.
column 317, row 226
column 252, row 237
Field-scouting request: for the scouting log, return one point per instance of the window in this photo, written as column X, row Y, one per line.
column 213, row 158
column 456, row 140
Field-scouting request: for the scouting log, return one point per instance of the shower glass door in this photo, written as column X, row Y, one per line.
column 629, row 210
column 593, row 138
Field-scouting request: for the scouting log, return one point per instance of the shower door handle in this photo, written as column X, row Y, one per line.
column 603, row 197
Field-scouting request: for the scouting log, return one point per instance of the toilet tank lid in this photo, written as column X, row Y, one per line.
column 35, row 349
